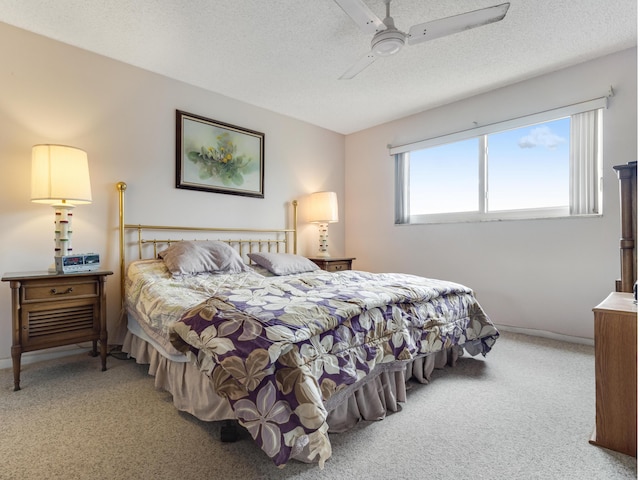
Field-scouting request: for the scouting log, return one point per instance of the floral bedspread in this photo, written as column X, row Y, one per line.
column 279, row 349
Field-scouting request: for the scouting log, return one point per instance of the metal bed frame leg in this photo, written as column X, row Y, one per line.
column 229, row 431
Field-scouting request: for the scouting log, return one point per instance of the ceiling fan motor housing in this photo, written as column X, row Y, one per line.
column 387, row 42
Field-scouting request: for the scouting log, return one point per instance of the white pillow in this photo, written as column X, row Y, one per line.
column 283, row 263
column 193, row 257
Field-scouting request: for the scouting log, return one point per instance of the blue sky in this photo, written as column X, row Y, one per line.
column 528, row 168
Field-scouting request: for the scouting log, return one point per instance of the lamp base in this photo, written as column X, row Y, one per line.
column 323, row 242
column 63, row 228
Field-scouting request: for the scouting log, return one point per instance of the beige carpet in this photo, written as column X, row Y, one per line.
column 524, row 412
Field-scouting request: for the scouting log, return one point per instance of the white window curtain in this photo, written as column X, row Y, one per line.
column 402, row 187
column 585, row 163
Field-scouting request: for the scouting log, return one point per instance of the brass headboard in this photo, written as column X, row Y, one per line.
column 276, row 240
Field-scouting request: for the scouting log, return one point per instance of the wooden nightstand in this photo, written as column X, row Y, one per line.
column 51, row 310
column 615, row 334
column 333, row 264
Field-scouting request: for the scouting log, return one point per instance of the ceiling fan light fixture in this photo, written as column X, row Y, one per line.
column 387, row 42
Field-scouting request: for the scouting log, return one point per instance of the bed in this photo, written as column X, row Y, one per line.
column 244, row 329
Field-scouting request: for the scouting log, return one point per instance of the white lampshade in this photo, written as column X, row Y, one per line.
column 323, row 207
column 59, row 174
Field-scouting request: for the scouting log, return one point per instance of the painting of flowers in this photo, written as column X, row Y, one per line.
column 218, row 157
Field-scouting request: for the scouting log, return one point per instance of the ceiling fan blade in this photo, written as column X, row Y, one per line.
column 359, row 66
column 362, row 15
column 457, row 23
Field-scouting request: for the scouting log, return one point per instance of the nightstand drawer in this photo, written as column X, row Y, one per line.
column 331, row 264
column 36, row 291
column 338, row 266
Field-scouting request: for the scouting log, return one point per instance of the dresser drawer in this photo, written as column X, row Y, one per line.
column 43, row 290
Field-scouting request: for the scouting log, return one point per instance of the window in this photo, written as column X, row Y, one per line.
column 540, row 166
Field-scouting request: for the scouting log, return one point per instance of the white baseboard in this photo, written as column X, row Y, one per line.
column 43, row 355
column 544, row 334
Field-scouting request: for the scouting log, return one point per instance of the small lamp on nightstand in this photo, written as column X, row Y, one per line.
column 323, row 210
column 60, row 177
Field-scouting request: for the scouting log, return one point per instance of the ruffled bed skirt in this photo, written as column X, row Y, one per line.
column 381, row 392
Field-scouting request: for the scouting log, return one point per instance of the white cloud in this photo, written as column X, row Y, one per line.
column 541, row 137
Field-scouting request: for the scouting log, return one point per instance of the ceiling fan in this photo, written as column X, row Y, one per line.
column 387, row 39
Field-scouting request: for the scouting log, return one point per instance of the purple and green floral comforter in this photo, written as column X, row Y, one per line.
column 282, row 348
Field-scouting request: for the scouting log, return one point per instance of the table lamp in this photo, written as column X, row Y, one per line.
column 323, row 210
column 60, row 177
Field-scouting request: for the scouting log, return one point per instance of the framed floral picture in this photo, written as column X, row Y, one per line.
column 213, row 156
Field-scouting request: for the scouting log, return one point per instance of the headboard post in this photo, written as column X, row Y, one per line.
column 295, row 226
column 121, row 188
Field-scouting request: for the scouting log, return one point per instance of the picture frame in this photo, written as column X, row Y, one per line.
column 213, row 156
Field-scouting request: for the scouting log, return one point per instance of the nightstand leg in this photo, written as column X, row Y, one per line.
column 16, row 354
column 103, row 323
column 103, row 350
column 94, row 350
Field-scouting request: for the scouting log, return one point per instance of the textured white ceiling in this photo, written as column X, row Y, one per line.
column 287, row 55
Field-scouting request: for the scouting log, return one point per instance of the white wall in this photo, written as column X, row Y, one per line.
column 538, row 274
column 124, row 118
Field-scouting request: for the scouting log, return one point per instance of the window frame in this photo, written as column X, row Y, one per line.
column 403, row 217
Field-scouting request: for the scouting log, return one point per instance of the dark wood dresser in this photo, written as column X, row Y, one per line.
column 615, row 335
column 615, row 332
column 627, row 176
